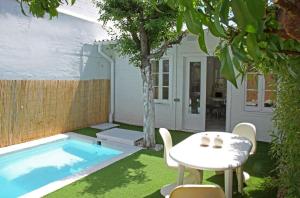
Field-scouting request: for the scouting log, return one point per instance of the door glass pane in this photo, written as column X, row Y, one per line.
column 194, row 89
column 155, row 92
column 165, row 93
column 252, row 90
column 166, row 66
column 155, row 78
column 155, row 66
column 165, row 79
column 270, row 91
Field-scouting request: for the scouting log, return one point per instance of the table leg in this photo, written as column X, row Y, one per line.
column 228, row 183
column 239, row 174
column 201, row 176
column 180, row 174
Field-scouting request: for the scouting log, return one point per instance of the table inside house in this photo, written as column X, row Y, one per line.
column 233, row 153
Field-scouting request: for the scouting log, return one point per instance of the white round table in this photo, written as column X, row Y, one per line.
column 233, row 153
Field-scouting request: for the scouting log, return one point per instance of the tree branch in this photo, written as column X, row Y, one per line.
column 167, row 44
column 290, row 52
column 209, row 5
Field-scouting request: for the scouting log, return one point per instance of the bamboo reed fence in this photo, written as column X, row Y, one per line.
column 32, row 109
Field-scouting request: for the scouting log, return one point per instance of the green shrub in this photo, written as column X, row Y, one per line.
column 286, row 141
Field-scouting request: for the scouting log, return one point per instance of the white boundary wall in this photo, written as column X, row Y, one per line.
column 61, row 48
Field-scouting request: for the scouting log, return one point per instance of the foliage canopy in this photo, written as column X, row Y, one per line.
column 249, row 30
column 39, row 8
column 133, row 18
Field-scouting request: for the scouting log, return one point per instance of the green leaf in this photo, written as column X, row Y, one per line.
column 201, row 41
column 237, row 65
column 240, row 54
column 193, row 26
column 224, row 10
column 171, row 3
column 252, row 46
column 179, row 23
column 227, row 67
column 243, row 17
column 218, row 26
column 212, row 29
column 238, row 38
column 188, row 4
column 237, row 48
column 256, row 8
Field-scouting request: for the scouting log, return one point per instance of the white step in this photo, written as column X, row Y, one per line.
column 123, row 136
column 105, row 126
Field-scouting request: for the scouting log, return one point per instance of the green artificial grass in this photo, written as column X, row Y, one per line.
column 144, row 173
column 88, row 131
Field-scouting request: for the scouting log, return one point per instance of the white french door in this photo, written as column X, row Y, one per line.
column 194, row 93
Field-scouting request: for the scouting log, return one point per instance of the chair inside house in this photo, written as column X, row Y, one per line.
column 194, row 177
column 197, row 191
column 247, row 130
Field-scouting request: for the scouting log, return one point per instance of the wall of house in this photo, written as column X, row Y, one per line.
column 262, row 120
column 129, row 98
column 61, row 48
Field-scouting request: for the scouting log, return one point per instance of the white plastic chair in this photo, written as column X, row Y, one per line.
column 248, row 131
column 195, row 176
column 197, row 191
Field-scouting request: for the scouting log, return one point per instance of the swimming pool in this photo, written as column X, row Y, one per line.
column 27, row 170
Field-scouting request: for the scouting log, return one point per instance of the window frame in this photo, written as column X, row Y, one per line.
column 260, row 96
column 266, row 109
column 160, row 86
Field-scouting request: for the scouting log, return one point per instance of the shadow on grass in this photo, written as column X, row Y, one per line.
column 259, row 166
column 135, row 175
column 117, row 175
column 155, row 194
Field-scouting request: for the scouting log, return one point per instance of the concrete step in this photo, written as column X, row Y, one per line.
column 105, row 126
column 123, row 136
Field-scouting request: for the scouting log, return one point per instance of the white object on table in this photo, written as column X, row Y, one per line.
column 233, row 153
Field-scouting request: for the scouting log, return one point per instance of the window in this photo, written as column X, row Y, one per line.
column 260, row 92
column 161, row 79
column 270, row 91
column 155, row 78
column 252, row 90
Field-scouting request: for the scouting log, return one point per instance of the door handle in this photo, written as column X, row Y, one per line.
column 176, row 100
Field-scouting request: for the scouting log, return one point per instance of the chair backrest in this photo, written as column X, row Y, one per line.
column 167, row 139
column 248, row 131
column 197, row 191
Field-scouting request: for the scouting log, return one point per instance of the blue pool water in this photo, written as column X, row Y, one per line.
column 24, row 171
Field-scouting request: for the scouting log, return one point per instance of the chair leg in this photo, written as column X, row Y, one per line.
column 180, row 175
column 194, row 177
column 240, row 179
column 199, row 176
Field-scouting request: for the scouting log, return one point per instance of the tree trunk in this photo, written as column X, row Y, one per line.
column 149, row 112
column 149, row 117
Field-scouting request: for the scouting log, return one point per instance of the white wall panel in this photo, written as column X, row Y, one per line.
column 61, row 48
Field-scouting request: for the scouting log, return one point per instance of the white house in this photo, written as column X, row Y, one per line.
column 190, row 94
